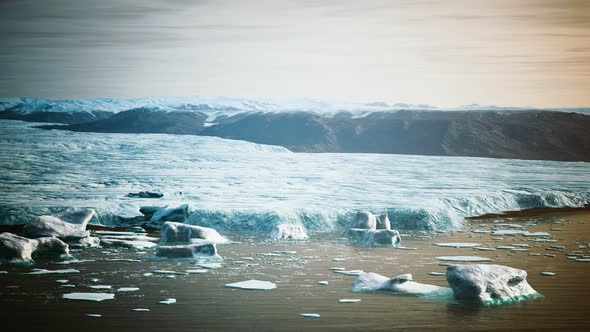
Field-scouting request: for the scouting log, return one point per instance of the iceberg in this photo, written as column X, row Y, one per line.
column 402, row 284
column 288, row 232
column 64, row 225
column 489, row 284
column 18, row 249
column 376, row 237
column 175, row 232
column 196, row 250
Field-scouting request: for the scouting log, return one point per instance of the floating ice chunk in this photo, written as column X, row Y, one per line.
column 405, row 248
column 128, row 289
column 65, row 225
column 484, row 231
column 3, row 272
column 148, row 274
column 74, row 261
column 179, row 233
column 170, row 276
column 177, row 214
column 18, row 249
column 363, row 220
column 337, row 268
column 210, row 265
column 100, row 287
column 61, row 281
column 547, row 273
column 403, row 284
column 169, row 272
column 508, row 232
column 94, row 280
column 338, row 259
column 94, row 315
column 126, row 260
column 85, row 242
column 505, row 247
column 140, row 309
column 44, row 271
column 464, row 259
column 436, row 273
column 324, row 283
column 68, row 286
column 253, row 284
column 168, row 301
column 489, row 284
column 193, row 250
column 583, row 260
column 457, row 244
column 311, row 315
column 522, row 245
column 373, row 237
column 550, row 255
column 349, row 300
column 534, row 254
column 288, row 232
column 350, row 272
column 537, row 234
column 519, row 249
column 146, row 194
column 197, row 271
column 88, row 296
column 485, row 249
column 132, row 244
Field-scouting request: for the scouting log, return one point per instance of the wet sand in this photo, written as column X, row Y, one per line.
column 204, row 304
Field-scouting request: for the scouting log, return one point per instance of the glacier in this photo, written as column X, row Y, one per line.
column 241, row 186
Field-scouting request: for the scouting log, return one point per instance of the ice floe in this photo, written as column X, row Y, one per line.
column 45, row 271
column 464, row 259
column 168, row 301
column 253, row 284
column 349, row 300
column 88, row 296
column 127, row 289
column 457, row 244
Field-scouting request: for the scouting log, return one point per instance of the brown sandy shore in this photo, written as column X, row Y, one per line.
column 31, row 302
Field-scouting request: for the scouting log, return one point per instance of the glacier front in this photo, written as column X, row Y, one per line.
column 241, row 186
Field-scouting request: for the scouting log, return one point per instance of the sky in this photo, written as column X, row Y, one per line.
column 444, row 53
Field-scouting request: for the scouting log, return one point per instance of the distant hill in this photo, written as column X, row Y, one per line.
column 541, row 135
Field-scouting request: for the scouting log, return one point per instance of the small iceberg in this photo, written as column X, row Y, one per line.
column 94, row 315
column 168, row 301
column 128, row 289
column 140, row 309
column 349, row 272
column 349, row 300
column 88, row 296
column 311, row 315
column 464, row 259
column 100, row 287
column 253, row 284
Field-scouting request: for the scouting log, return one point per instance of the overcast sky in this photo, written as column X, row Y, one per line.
column 445, row 53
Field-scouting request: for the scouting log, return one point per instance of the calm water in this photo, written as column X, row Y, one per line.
column 204, row 304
